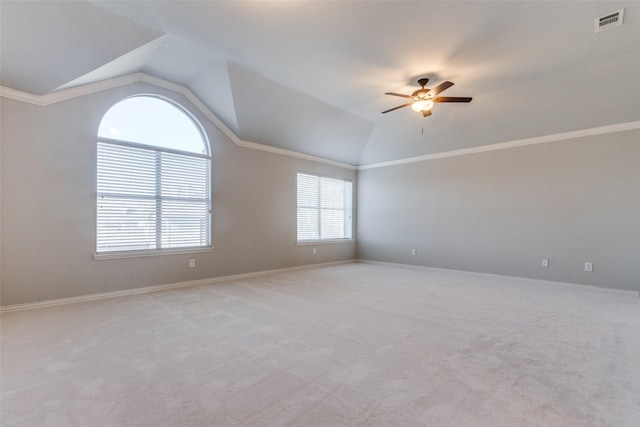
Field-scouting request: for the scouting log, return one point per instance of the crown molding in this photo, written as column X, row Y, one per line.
column 29, row 98
column 600, row 130
column 83, row 90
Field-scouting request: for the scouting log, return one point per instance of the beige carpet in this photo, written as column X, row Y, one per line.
column 349, row 345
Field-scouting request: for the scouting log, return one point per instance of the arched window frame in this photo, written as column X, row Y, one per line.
column 176, row 159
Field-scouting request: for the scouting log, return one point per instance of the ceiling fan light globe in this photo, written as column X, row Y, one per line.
column 423, row 105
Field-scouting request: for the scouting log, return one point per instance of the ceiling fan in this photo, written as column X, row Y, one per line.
column 423, row 99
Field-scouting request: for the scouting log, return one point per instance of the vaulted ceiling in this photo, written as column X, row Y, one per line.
column 311, row 76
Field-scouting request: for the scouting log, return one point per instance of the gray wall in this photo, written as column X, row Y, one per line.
column 48, row 204
column 496, row 212
column 503, row 211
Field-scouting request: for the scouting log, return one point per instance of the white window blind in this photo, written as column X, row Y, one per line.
column 324, row 208
column 151, row 199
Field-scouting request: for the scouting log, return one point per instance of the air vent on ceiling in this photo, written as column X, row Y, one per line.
column 609, row 21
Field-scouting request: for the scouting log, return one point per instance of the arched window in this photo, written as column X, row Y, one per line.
column 153, row 178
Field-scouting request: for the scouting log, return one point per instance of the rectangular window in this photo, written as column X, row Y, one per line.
column 151, row 199
column 324, row 208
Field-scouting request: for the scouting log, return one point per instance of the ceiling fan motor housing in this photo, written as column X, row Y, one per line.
column 421, row 94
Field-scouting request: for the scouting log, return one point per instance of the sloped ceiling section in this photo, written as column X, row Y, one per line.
column 45, row 45
column 202, row 71
column 128, row 63
column 283, row 117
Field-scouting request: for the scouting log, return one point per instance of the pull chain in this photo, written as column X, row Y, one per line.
column 422, row 123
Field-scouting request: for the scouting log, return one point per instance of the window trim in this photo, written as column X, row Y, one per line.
column 310, row 242
column 101, row 256
column 324, row 241
column 109, row 255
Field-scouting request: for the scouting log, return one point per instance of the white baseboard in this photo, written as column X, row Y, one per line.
column 157, row 288
column 628, row 292
column 212, row 280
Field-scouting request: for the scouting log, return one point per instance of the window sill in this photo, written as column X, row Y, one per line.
column 323, row 242
column 140, row 254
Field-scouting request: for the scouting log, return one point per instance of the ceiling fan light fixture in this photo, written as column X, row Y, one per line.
column 423, row 105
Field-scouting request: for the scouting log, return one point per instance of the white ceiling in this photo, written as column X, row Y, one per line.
column 311, row 76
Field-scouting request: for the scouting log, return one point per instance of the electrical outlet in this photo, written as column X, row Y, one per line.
column 588, row 266
column 192, row 263
column 545, row 262
column 315, row 251
column 414, row 252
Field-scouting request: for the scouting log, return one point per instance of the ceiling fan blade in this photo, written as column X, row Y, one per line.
column 399, row 106
column 452, row 99
column 426, row 113
column 441, row 87
column 398, row 94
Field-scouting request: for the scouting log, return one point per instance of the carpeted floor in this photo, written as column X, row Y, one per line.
column 349, row 345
